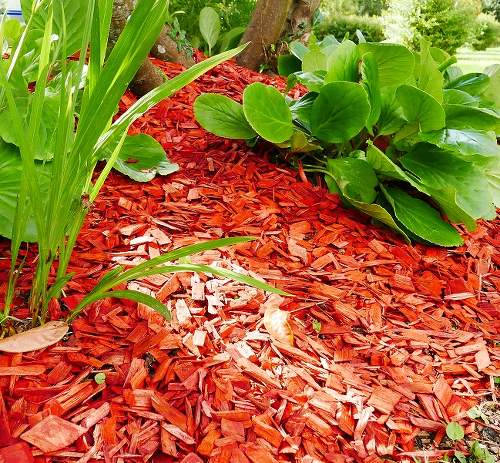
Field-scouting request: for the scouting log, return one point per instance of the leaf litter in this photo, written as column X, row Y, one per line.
column 381, row 342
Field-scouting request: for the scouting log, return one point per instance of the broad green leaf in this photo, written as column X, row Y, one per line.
column 340, row 112
column 10, row 182
column 312, row 80
column 420, row 218
column 355, row 178
column 455, row 431
column 440, row 169
column 391, row 115
column 473, row 83
column 222, row 116
column 492, row 92
column 314, row 60
column 453, row 96
column 429, row 78
column 466, row 141
column 209, row 26
column 69, row 17
column 420, row 108
column 302, row 108
column 439, row 55
column 379, row 213
column 491, row 169
column 370, row 82
column 232, row 38
column 468, row 117
column 342, row 63
column 395, row 62
column 142, row 158
column 12, row 30
column 383, row 165
column 298, row 49
column 288, row 64
column 267, row 112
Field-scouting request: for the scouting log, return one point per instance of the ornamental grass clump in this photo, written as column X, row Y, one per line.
column 402, row 136
column 60, row 125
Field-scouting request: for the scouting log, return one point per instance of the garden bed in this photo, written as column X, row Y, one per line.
column 389, row 340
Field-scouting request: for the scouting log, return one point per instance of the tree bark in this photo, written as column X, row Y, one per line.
column 148, row 76
column 271, row 20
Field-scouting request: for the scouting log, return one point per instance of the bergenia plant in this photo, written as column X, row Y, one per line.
column 404, row 137
column 60, row 125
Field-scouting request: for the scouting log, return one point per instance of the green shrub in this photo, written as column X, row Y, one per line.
column 487, row 32
column 331, row 8
column 340, row 26
column 395, row 135
column 233, row 13
column 446, row 24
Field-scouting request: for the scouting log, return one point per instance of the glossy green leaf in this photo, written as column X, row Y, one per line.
column 468, row 117
column 439, row 169
column 391, row 117
column 382, row 165
column 209, row 26
column 453, row 96
column 473, row 83
column 340, row 112
column 420, row 218
column 222, row 116
column 420, row 108
column 288, row 64
column 381, row 214
column 142, row 158
column 267, row 112
column 466, row 141
column 355, row 178
column 342, row 63
column 395, row 62
column 492, row 92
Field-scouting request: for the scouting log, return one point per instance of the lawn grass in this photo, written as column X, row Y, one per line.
column 475, row 61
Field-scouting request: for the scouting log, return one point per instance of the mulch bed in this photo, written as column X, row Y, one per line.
column 389, row 340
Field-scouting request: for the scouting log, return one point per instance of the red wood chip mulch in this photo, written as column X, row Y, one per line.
column 389, row 340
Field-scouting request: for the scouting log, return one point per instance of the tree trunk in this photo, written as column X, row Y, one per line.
column 271, row 20
column 148, row 76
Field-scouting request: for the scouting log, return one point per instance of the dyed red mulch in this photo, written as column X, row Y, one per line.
column 389, row 340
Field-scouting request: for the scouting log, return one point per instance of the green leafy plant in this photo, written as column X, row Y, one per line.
column 47, row 202
column 402, row 136
column 477, row 452
column 210, row 29
column 341, row 26
column 486, row 32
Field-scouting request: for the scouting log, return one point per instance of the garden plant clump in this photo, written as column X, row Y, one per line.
column 402, row 136
column 56, row 124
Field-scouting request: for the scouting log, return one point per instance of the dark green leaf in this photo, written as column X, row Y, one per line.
column 232, row 38
column 222, row 116
column 371, row 84
column 288, row 64
column 340, row 112
column 421, row 219
column 439, row 169
column 267, row 112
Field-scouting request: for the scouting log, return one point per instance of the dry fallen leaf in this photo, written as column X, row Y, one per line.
column 276, row 320
column 36, row 338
